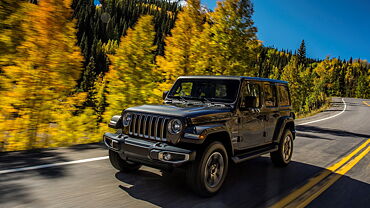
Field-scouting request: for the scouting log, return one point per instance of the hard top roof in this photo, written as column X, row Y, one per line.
column 235, row 78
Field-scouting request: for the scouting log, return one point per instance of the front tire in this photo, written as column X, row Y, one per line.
column 121, row 164
column 208, row 172
column 283, row 155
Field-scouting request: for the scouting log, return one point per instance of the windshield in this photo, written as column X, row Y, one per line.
column 214, row 90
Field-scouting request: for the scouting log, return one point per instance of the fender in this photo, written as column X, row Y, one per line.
column 280, row 126
column 198, row 134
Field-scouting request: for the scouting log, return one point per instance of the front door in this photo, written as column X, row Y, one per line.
column 251, row 124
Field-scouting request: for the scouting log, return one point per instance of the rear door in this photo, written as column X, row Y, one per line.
column 285, row 107
column 270, row 110
column 251, row 124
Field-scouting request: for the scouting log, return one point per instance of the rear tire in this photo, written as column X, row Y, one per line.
column 208, row 172
column 283, row 155
column 121, row 164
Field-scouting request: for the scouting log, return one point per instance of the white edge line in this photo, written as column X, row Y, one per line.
column 106, row 157
column 323, row 119
column 52, row 165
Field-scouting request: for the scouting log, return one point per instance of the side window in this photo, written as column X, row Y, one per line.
column 283, row 95
column 251, row 96
column 270, row 95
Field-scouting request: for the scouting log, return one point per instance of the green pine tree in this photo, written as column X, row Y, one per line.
column 301, row 53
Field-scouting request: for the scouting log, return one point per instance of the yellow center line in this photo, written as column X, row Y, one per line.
column 365, row 102
column 330, row 181
column 313, row 181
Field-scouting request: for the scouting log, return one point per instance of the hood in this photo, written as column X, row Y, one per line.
column 182, row 110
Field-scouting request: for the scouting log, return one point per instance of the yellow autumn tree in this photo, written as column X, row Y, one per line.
column 12, row 13
column 291, row 74
column 233, row 38
column 131, row 77
column 204, row 52
column 182, row 50
column 39, row 86
column 73, row 127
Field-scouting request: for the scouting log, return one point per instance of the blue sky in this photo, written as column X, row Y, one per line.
column 335, row 28
column 338, row 28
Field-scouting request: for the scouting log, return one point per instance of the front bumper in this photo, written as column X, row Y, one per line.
column 151, row 153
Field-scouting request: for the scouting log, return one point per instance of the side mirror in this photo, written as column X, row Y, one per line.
column 116, row 122
column 164, row 94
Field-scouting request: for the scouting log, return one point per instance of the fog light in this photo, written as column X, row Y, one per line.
column 167, row 156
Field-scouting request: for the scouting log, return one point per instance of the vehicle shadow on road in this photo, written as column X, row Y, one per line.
column 255, row 183
column 312, row 136
column 27, row 158
column 11, row 189
column 14, row 192
column 335, row 132
column 20, row 159
column 85, row 147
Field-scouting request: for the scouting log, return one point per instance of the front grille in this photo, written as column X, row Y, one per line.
column 149, row 126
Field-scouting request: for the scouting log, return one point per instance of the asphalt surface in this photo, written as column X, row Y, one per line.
column 255, row 183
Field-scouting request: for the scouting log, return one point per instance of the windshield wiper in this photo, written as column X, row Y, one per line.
column 203, row 99
column 182, row 99
column 210, row 102
column 206, row 99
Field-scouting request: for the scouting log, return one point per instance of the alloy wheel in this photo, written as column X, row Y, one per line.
column 214, row 169
column 287, row 148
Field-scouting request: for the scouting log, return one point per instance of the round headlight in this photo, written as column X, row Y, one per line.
column 127, row 119
column 175, row 126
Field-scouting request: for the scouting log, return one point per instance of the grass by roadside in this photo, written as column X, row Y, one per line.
column 314, row 112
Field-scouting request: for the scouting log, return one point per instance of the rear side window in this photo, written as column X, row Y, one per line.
column 270, row 95
column 283, row 95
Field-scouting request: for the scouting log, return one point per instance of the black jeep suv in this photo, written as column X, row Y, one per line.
column 205, row 123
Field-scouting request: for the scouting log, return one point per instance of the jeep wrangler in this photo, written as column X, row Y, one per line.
column 205, row 123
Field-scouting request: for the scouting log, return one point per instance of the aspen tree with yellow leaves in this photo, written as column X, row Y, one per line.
column 291, row 74
column 205, row 52
column 131, row 77
column 234, row 38
column 38, row 88
column 181, row 51
column 11, row 15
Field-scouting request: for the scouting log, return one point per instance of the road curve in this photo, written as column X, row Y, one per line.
column 59, row 181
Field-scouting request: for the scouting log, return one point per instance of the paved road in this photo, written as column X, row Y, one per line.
column 255, row 183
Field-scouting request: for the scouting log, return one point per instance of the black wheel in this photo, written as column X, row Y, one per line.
column 283, row 155
column 207, row 173
column 120, row 164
